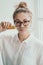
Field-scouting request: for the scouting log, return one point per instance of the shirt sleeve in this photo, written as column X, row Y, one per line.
column 4, row 57
column 41, row 57
column 1, row 47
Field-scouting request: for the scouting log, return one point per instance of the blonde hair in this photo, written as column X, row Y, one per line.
column 22, row 7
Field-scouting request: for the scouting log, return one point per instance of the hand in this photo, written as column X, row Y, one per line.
column 6, row 25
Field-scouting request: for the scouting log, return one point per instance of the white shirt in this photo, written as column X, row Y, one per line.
column 13, row 52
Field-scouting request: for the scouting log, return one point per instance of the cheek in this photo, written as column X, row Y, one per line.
column 28, row 26
column 24, row 28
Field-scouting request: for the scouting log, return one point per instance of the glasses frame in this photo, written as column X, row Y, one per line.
column 18, row 23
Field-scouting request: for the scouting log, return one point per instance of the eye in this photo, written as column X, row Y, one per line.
column 16, row 21
column 26, row 21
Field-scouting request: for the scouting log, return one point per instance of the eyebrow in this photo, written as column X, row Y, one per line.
column 16, row 19
column 19, row 20
column 26, row 19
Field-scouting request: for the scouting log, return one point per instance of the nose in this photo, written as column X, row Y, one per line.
column 22, row 25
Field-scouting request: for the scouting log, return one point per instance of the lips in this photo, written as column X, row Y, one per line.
column 21, row 29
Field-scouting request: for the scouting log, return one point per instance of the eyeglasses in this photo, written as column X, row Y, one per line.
column 18, row 22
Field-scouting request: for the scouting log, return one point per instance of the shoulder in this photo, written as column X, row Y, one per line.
column 5, row 39
column 9, row 38
column 38, row 48
column 38, row 44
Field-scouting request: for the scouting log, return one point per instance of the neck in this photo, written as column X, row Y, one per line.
column 22, row 37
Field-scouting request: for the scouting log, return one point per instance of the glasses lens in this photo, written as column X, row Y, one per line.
column 25, row 22
column 17, row 22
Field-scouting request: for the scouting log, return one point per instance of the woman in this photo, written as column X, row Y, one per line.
column 23, row 48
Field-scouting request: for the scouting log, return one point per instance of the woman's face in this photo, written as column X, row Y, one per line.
column 22, row 22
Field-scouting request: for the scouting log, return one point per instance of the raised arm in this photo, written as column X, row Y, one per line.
column 6, row 25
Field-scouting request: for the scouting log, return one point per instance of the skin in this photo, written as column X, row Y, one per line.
column 23, row 32
column 4, row 25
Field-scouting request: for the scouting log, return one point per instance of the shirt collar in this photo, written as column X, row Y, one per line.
column 26, row 40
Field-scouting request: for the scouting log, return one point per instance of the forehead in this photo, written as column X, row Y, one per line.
column 22, row 16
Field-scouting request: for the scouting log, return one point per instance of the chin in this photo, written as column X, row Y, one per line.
column 22, row 32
